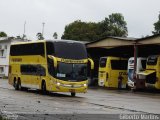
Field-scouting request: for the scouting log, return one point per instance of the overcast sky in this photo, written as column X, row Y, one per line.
column 139, row 15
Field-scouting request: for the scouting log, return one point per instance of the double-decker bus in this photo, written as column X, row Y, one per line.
column 49, row 65
column 112, row 72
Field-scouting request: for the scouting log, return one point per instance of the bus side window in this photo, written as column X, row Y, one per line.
column 41, row 70
column 51, row 68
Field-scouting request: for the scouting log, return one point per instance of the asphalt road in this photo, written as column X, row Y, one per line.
column 96, row 104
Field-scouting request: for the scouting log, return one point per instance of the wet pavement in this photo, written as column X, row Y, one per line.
column 28, row 104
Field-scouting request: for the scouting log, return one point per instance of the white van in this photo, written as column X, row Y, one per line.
column 141, row 66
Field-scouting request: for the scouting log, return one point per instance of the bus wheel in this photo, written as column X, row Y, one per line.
column 44, row 91
column 73, row 94
column 19, row 85
column 15, row 83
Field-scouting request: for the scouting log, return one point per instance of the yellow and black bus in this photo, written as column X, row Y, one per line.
column 152, row 72
column 112, row 72
column 55, row 66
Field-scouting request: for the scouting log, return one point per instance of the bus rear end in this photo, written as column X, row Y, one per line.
column 112, row 72
column 141, row 66
column 151, row 74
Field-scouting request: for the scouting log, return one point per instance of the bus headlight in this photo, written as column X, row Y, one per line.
column 85, row 85
column 58, row 84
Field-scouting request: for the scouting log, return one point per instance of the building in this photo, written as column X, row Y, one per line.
column 123, row 47
column 5, row 43
column 110, row 46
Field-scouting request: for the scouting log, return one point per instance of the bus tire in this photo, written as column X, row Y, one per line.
column 43, row 88
column 127, row 87
column 14, row 83
column 73, row 94
column 19, row 84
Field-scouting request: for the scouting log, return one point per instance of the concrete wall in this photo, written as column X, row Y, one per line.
column 4, row 55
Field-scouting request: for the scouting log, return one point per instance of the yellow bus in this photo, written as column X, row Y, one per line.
column 112, row 72
column 54, row 66
column 152, row 72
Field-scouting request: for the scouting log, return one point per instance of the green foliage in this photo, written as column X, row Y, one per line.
column 80, row 31
column 114, row 25
column 3, row 34
column 55, row 35
column 117, row 25
column 157, row 26
column 40, row 36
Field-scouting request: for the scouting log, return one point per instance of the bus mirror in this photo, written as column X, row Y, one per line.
column 54, row 60
column 92, row 63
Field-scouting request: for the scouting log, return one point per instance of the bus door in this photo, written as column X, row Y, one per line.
column 114, row 73
column 119, row 73
column 41, row 72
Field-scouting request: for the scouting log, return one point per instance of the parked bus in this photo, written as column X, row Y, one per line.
column 112, row 72
column 141, row 66
column 58, row 66
column 152, row 72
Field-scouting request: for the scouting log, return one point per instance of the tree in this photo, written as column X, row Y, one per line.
column 114, row 25
column 55, row 35
column 157, row 26
column 3, row 34
column 40, row 36
column 81, row 31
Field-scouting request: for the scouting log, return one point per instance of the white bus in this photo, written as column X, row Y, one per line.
column 141, row 66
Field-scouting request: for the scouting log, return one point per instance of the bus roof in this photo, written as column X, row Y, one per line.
column 41, row 41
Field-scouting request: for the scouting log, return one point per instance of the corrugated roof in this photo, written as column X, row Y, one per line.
column 148, row 37
column 118, row 38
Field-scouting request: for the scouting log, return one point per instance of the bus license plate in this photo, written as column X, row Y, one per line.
column 71, row 90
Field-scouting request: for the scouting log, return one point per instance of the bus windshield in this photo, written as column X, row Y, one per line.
column 72, row 72
column 67, row 50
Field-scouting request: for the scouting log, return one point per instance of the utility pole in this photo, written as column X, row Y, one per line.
column 24, row 32
column 24, row 28
column 43, row 28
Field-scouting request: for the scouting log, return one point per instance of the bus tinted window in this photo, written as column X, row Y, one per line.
column 70, row 50
column 152, row 60
column 32, row 70
column 102, row 62
column 50, row 48
column 119, row 64
column 27, row 49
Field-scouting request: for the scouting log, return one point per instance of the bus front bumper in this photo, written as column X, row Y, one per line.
column 76, row 88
